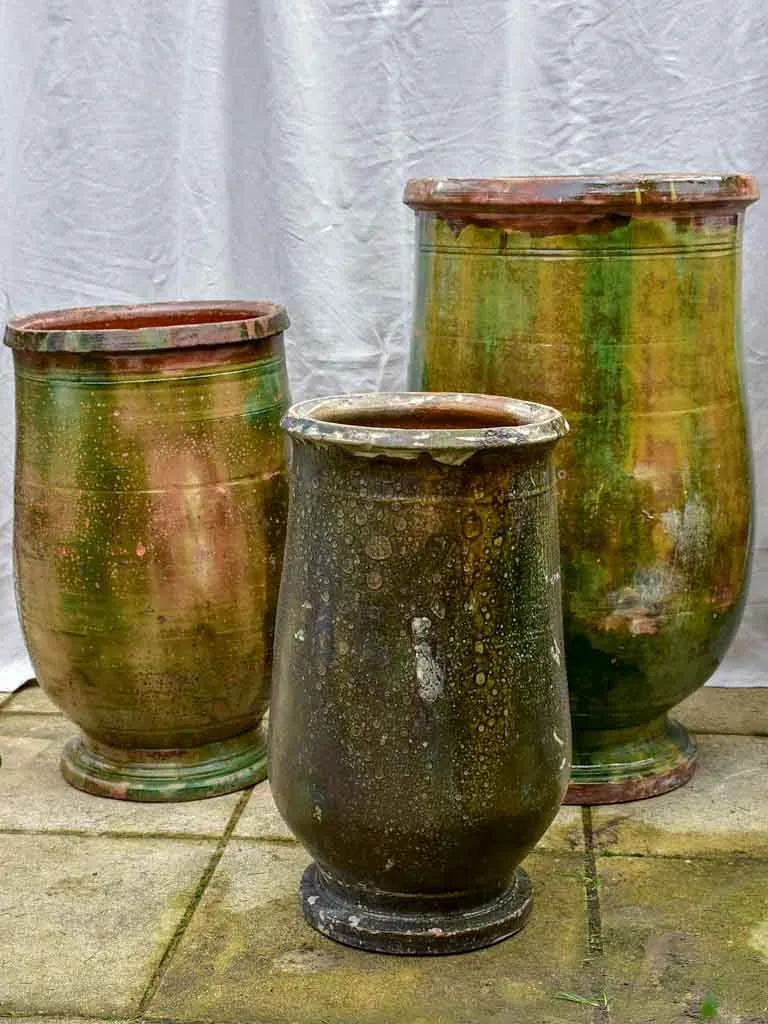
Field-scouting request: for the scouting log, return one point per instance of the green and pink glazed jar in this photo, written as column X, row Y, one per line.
column 150, row 506
column 617, row 300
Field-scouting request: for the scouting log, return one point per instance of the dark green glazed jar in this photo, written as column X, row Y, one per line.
column 150, row 510
column 419, row 731
column 618, row 301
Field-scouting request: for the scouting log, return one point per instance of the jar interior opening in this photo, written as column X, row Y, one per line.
column 132, row 319
column 426, row 418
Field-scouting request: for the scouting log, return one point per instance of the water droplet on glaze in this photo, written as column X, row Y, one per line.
column 378, row 547
column 472, row 526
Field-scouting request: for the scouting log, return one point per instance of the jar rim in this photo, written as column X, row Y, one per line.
column 581, row 193
column 145, row 327
column 450, row 426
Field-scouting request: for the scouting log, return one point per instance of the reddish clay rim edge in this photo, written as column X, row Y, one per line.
column 581, row 193
column 145, row 327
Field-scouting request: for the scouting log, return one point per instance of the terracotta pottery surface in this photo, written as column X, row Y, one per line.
column 419, row 730
column 150, row 508
column 617, row 300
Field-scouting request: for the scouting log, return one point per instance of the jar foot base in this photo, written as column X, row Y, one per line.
column 398, row 927
column 166, row 776
column 633, row 768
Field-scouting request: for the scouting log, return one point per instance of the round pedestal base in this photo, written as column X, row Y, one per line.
column 631, row 766
column 166, row 776
column 408, row 926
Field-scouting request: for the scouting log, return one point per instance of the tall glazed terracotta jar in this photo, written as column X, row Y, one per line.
column 617, row 300
column 419, row 731
column 150, row 510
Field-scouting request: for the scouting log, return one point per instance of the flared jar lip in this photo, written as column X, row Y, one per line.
column 581, row 193
column 406, row 424
column 146, row 327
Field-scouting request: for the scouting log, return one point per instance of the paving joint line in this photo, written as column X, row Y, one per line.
column 599, row 1014
column 10, row 1016
column 723, row 856
column 74, row 833
column 28, row 711
column 170, row 950
column 285, row 840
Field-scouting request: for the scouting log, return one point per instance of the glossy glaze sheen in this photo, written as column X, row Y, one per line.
column 618, row 301
column 419, row 726
column 150, row 517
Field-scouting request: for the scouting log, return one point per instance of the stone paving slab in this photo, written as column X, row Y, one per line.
column 84, row 921
column 261, row 820
column 34, row 796
column 724, row 710
column 722, row 810
column 685, row 940
column 248, row 955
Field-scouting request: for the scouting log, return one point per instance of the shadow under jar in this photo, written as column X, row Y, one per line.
column 618, row 300
column 419, row 730
column 150, row 506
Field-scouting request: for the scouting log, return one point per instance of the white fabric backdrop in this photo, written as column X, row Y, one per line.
column 258, row 148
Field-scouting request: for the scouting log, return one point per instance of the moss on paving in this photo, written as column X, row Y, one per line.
column 678, row 931
column 264, row 963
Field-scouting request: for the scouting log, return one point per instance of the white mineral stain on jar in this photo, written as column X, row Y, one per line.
column 430, row 677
